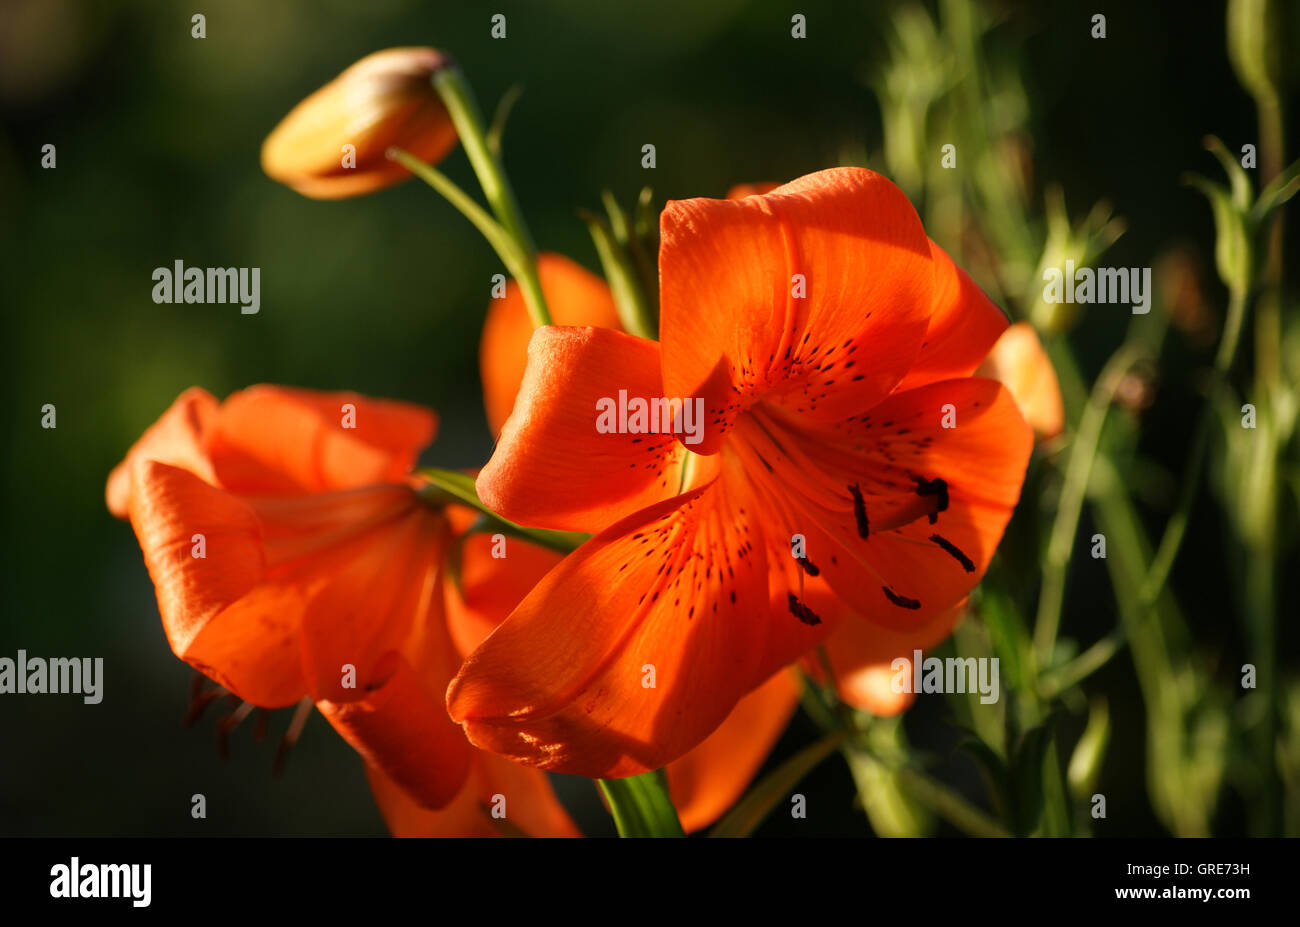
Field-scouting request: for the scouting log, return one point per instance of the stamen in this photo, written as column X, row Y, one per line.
column 802, row 611
column 860, row 511
column 937, row 488
column 228, row 724
column 901, row 601
column 200, row 699
column 300, row 716
column 955, row 551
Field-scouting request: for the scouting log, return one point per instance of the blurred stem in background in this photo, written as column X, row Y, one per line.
column 949, row 84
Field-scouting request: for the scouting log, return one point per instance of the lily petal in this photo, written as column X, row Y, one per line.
column 400, row 727
column 574, row 295
column 553, row 466
column 272, row 439
column 774, row 291
column 706, row 782
column 675, row 595
column 964, row 326
column 177, row 438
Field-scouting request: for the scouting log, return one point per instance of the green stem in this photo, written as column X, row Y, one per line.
column 949, row 805
column 634, row 310
column 1053, row 683
column 1176, row 529
column 521, row 267
column 496, row 236
column 640, row 806
column 1062, row 542
column 459, row 99
column 452, row 486
column 759, row 801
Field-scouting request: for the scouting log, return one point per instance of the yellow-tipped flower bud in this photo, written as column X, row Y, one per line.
column 333, row 144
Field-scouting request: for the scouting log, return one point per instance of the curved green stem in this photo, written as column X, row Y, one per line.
column 459, row 99
column 521, row 267
column 949, row 805
column 488, row 227
column 1062, row 541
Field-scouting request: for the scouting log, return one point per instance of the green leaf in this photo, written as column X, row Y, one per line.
column 1284, row 186
column 625, row 284
column 1090, row 751
column 1241, row 188
column 1027, row 777
column 1232, row 249
column 498, row 127
column 994, row 770
column 1008, row 633
column 641, row 806
column 751, row 810
column 452, row 486
column 892, row 810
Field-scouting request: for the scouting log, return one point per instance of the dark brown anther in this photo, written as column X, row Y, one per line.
column 955, row 552
column 860, row 511
column 808, row 566
column 937, row 488
column 901, row 601
column 802, row 611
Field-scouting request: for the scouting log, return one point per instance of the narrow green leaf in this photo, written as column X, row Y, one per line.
column 498, row 127
column 446, row 486
column 629, row 297
column 1090, row 751
column 751, row 810
column 641, row 806
column 1009, row 635
column 1284, row 186
column 994, row 770
column 1241, row 191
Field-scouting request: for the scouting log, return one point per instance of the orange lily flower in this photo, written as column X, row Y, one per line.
column 830, row 342
column 709, row 779
column 293, row 557
column 1020, row 363
column 383, row 100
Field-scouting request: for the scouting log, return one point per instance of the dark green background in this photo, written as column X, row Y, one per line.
column 158, row 137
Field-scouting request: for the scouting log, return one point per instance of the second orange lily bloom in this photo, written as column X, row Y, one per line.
column 293, row 556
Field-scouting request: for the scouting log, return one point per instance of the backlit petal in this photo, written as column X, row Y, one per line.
column 862, row 657
column 1020, row 363
column 523, row 795
column 815, row 296
column 931, row 501
column 400, row 726
column 706, row 782
column 271, row 439
column 965, row 324
column 574, row 296
column 562, row 460
column 675, row 595
column 177, row 438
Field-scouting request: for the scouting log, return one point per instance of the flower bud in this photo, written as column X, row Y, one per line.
column 334, row 143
